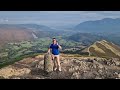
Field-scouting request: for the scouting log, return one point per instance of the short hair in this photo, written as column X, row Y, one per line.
column 54, row 38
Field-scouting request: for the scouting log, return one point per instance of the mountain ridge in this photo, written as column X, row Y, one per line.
column 103, row 25
column 103, row 48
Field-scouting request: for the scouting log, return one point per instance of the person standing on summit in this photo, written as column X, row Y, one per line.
column 55, row 54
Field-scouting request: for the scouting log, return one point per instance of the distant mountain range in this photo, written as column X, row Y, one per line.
column 104, row 25
column 26, row 26
column 21, row 32
column 86, row 32
column 89, row 38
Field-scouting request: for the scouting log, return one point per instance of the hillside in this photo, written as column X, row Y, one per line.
column 72, row 68
column 14, row 34
column 103, row 49
column 85, row 38
column 102, row 62
column 104, row 25
column 39, row 30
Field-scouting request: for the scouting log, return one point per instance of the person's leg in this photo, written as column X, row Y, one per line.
column 55, row 63
column 52, row 57
column 58, row 62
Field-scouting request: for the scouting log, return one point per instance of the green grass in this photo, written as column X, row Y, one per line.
column 16, row 47
column 93, row 52
column 114, row 46
column 4, row 54
column 10, row 62
column 17, row 52
column 108, row 52
column 17, row 59
column 26, row 45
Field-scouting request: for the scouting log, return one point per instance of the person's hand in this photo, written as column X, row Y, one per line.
column 48, row 52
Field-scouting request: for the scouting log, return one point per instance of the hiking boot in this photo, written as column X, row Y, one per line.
column 55, row 68
column 59, row 69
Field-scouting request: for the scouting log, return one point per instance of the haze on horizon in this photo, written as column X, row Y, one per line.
column 54, row 18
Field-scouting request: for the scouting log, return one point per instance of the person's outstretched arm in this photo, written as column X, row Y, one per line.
column 48, row 50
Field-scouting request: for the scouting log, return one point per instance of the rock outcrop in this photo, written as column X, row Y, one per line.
column 72, row 68
column 48, row 63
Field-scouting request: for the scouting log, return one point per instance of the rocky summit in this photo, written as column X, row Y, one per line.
column 72, row 68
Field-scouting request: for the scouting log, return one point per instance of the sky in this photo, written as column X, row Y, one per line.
column 54, row 18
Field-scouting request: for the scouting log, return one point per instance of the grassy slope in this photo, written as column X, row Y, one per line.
column 108, row 49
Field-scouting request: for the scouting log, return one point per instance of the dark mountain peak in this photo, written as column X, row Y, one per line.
column 107, row 19
column 103, row 25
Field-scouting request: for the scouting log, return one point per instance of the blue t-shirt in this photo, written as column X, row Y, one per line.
column 54, row 48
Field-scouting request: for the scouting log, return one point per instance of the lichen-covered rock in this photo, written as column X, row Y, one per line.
column 75, row 75
column 12, row 71
column 72, row 68
column 48, row 63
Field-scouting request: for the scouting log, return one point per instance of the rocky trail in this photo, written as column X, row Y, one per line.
column 72, row 68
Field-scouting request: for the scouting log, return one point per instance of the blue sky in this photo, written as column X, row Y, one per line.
column 55, row 18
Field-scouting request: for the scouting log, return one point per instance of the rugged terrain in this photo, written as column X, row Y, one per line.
column 73, row 67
